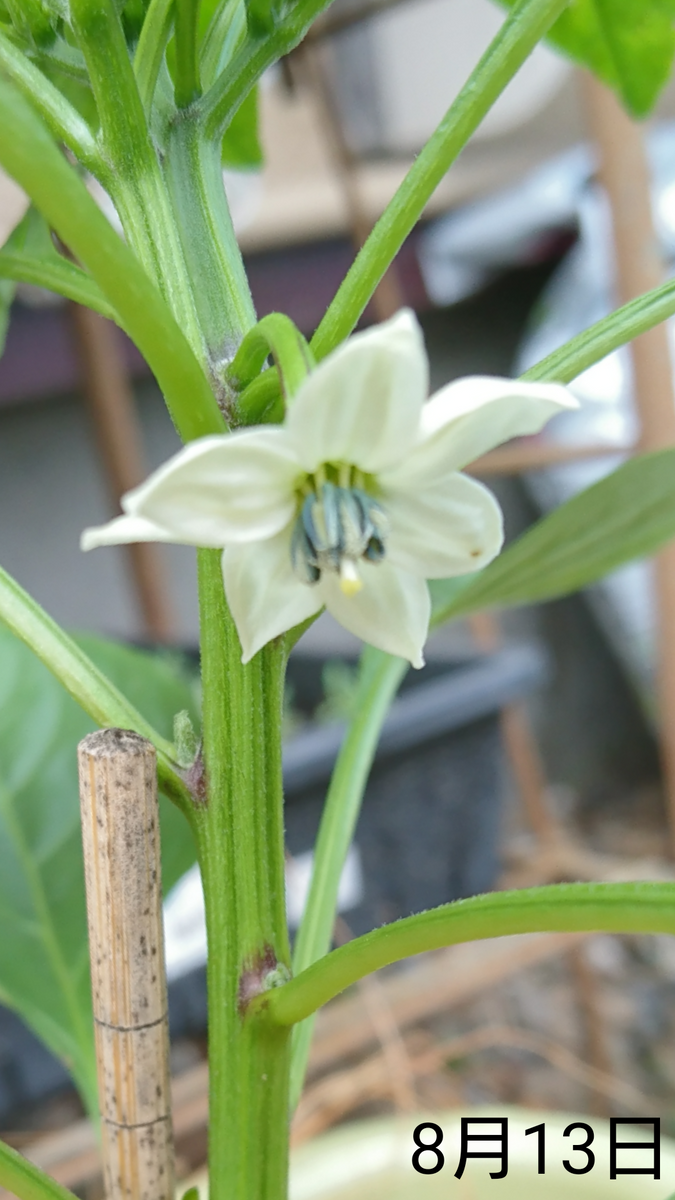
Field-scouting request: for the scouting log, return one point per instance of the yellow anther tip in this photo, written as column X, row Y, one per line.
column 350, row 587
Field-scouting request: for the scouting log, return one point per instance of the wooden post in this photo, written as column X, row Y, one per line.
column 111, row 405
column 624, row 171
column 120, row 834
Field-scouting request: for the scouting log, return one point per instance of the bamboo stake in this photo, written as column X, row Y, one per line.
column 120, row 834
column 625, row 173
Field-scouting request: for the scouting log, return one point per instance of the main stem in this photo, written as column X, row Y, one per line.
column 239, row 831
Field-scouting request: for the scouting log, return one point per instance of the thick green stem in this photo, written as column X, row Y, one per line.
column 566, row 907
column 239, row 832
column 523, row 29
column 134, row 178
column 222, row 295
column 381, row 675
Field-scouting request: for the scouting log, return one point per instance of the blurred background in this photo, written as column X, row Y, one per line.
column 529, row 750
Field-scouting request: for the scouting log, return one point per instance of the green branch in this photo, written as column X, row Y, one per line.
column 30, row 156
column 92, row 690
column 23, row 1179
column 187, row 87
column 600, row 339
column 124, row 128
column 561, row 908
column 63, row 120
column 219, row 104
column 380, row 676
column 150, row 49
column 225, row 32
column 523, row 29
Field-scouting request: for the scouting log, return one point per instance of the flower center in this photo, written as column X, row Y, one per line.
column 338, row 524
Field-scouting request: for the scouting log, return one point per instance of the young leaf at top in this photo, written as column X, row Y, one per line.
column 629, row 44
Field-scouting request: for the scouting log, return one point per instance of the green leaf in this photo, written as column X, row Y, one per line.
column 84, row 681
column 23, row 1179
column 30, row 256
column 629, row 44
column 241, row 145
column 44, row 968
column 629, row 514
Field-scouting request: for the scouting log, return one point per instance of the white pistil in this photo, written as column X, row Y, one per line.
column 350, row 580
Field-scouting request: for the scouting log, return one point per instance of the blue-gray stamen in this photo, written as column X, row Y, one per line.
column 302, row 555
column 336, row 526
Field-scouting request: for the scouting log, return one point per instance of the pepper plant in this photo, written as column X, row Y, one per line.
column 321, row 479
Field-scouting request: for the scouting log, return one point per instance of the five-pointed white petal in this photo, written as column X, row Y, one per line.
column 467, row 418
column 123, row 530
column 264, row 595
column 448, row 528
column 391, row 611
column 362, row 404
column 235, row 488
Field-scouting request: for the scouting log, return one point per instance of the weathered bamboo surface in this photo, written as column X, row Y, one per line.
column 120, row 834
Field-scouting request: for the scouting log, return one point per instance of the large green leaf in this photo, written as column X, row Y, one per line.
column 44, row 971
column 628, row 514
column 629, row 44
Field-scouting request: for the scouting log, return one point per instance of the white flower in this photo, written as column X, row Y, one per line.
column 354, row 502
